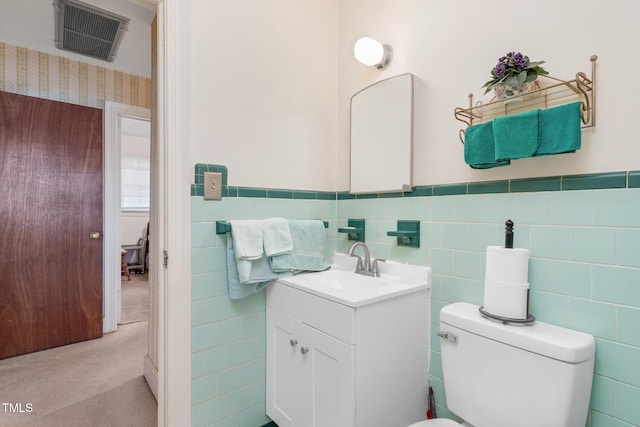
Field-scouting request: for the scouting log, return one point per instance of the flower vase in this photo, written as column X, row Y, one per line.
column 504, row 91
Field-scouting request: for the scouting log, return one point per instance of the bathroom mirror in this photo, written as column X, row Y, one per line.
column 381, row 136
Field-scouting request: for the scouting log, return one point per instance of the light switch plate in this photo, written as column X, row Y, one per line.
column 213, row 186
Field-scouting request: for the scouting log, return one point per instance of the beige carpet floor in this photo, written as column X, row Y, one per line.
column 135, row 299
column 93, row 383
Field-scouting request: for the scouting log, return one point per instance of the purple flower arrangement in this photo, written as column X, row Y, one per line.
column 513, row 70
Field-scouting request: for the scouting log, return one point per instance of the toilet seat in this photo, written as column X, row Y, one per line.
column 439, row 422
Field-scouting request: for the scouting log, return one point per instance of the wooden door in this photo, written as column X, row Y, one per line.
column 50, row 202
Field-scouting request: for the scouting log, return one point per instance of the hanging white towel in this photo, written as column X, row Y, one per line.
column 257, row 276
column 247, row 239
column 276, row 237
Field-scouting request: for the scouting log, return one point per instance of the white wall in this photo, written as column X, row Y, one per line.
column 451, row 47
column 133, row 226
column 271, row 81
column 263, row 90
column 135, row 145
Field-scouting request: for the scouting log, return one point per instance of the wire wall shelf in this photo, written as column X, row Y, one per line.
column 549, row 92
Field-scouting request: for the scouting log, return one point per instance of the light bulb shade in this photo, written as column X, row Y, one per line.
column 371, row 52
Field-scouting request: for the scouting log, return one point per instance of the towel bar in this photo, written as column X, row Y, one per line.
column 224, row 227
column 407, row 233
column 354, row 229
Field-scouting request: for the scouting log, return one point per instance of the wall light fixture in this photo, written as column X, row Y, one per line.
column 373, row 53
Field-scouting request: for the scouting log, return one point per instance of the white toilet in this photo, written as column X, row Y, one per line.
column 498, row 375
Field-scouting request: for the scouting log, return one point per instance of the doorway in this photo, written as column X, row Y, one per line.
column 115, row 116
column 171, row 241
column 135, row 195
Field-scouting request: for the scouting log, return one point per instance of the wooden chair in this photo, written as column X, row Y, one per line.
column 123, row 264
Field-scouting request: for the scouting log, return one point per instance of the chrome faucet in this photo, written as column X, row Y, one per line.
column 366, row 267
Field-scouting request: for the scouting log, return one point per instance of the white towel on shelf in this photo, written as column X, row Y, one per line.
column 247, row 239
column 276, row 237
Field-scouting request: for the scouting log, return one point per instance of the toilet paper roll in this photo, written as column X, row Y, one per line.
column 506, row 299
column 507, row 265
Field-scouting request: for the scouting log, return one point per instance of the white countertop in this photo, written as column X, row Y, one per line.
column 341, row 284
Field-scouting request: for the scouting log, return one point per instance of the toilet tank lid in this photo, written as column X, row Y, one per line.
column 539, row 337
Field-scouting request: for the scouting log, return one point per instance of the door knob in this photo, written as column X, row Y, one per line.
column 293, row 342
column 95, row 235
column 304, row 350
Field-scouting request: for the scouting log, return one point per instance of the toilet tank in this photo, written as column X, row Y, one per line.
column 498, row 375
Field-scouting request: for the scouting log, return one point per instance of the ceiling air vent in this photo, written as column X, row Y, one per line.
column 88, row 30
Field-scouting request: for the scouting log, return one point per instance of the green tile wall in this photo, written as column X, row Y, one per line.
column 228, row 337
column 584, row 274
column 584, row 270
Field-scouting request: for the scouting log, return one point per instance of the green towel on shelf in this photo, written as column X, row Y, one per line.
column 479, row 150
column 516, row 136
column 560, row 130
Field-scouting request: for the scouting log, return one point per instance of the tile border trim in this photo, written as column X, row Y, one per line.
column 595, row 181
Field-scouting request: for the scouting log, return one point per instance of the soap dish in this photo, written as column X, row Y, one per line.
column 354, row 230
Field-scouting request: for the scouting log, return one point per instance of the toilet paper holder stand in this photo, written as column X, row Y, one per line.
column 506, row 320
column 508, row 243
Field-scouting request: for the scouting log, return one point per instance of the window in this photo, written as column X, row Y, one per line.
column 135, row 183
column 135, row 165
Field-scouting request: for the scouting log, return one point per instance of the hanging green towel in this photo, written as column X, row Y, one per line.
column 479, row 151
column 309, row 248
column 516, row 136
column 560, row 130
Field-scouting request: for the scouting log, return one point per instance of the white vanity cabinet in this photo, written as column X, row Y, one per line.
column 308, row 368
column 334, row 365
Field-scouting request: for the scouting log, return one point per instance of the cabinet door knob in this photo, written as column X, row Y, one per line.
column 293, row 342
column 304, row 350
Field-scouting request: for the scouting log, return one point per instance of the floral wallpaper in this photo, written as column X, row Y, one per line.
column 42, row 75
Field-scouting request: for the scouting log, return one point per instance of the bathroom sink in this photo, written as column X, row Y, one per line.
column 341, row 284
